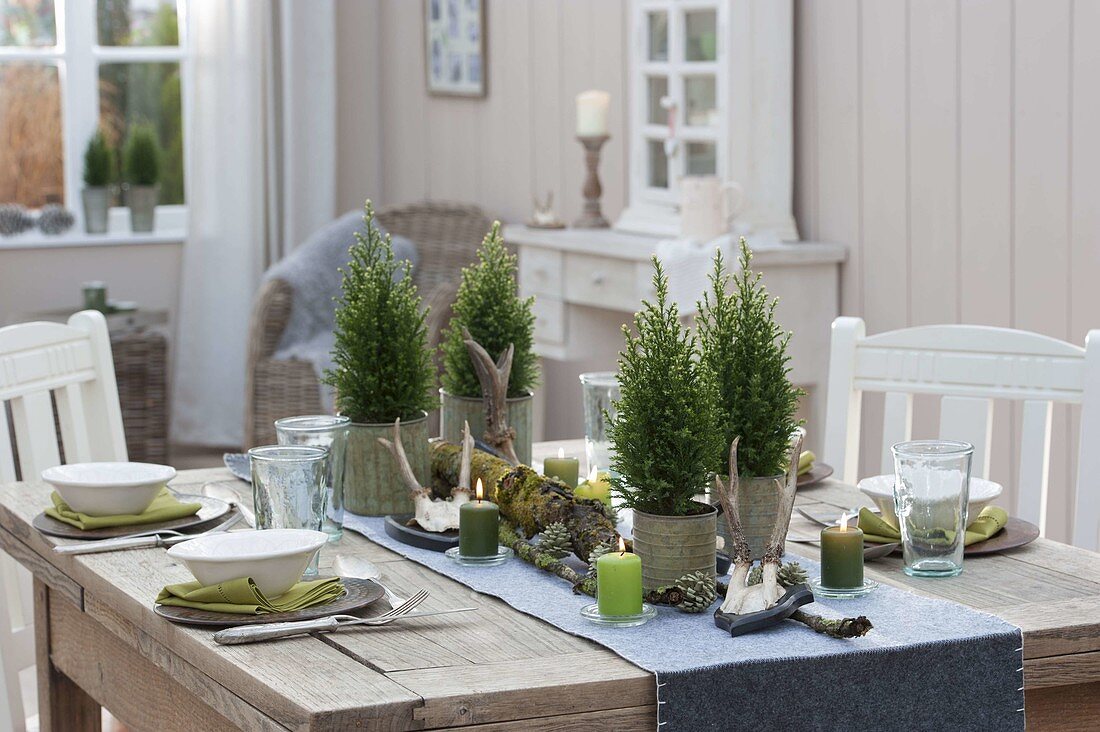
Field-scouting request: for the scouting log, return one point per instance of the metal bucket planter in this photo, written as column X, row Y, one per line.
column 672, row 546
column 758, row 505
column 96, row 203
column 372, row 483
column 143, row 205
column 454, row 410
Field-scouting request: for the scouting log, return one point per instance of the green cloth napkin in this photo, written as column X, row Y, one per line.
column 806, row 462
column 878, row 531
column 165, row 507
column 243, row 597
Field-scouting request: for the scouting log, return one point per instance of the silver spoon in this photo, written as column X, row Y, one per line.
column 224, row 493
column 347, row 566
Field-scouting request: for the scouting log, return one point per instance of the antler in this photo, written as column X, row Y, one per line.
column 494, row 389
column 466, row 465
column 729, row 495
column 398, row 451
column 777, row 541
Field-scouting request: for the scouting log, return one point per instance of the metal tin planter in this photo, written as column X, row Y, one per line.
column 96, row 203
column 672, row 546
column 454, row 410
column 372, row 483
column 759, row 504
column 143, row 204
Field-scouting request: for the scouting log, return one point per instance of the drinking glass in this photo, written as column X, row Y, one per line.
column 931, row 492
column 601, row 390
column 323, row 430
column 289, row 483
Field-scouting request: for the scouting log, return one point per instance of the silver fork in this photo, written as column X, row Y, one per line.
column 330, row 623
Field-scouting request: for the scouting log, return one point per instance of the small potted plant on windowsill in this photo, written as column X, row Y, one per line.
column 99, row 174
column 664, row 437
column 745, row 351
column 489, row 307
column 141, row 162
column 382, row 372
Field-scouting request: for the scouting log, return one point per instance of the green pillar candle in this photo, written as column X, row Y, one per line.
column 841, row 557
column 478, row 527
column 565, row 469
column 619, row 583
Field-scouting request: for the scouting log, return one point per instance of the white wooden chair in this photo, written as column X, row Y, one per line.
column 73, row 364
column 969, row 366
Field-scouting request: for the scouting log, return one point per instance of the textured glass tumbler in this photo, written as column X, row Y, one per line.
column 601, row 389
column 323, row 430
column 289, row 484
column 931, row 492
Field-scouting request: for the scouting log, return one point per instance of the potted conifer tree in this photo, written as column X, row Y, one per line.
column 382, row 372
column 99, row 174
column 744, row 350
column 664, row 438
column 489, row 307
column 141, row 163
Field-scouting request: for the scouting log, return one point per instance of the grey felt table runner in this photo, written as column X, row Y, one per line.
column 926, row 665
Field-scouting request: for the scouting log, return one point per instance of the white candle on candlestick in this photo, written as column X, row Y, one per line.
column 592, row 106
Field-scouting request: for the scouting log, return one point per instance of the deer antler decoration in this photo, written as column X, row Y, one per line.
column 494, row 389
column 433, row 514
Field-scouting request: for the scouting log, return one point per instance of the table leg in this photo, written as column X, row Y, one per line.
column 62, row 705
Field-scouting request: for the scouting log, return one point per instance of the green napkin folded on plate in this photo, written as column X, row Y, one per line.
column 243, row 597
column 806, row 462
column 878, row 531
column 165, row 507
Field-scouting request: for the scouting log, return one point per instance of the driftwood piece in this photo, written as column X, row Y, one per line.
column 433, row 514
column 494, row 390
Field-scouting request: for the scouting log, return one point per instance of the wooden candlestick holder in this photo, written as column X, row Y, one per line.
column 592, row 218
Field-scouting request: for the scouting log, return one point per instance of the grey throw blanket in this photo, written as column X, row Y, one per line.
column 312, row 271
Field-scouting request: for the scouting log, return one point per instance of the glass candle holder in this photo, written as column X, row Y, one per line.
column 931, row 492
column 289, row 483
column 601, row 390
column 323, row 430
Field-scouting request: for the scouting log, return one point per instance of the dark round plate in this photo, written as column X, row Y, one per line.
column 819, row 472
column 213, row 511
column 1016, row 533
column 358, row 594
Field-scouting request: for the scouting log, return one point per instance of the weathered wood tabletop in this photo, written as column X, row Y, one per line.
column 99, row 643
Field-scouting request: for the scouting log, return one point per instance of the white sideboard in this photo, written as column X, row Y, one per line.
column 587, row 283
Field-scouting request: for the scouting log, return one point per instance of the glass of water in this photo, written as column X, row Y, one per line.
column 289, row 483
column 322, row 430
column 601, row 389
column 931, row 492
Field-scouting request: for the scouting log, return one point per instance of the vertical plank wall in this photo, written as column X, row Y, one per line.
column 952, row 144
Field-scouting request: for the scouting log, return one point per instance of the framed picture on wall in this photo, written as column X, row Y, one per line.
column 454, row 41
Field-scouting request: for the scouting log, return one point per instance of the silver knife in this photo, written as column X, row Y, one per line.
column 330, row 624
column 138, row 542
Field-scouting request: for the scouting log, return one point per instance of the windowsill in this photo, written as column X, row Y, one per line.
column 38, row 240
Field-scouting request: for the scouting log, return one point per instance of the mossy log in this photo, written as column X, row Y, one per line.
column 528, row 501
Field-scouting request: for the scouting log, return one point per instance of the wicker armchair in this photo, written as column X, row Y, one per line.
column 446, row 236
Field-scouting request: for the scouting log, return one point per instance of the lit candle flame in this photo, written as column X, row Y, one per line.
column 479, row 491
column 593, row 475
column 622, row 546
column 843, row 522
column 561, row 452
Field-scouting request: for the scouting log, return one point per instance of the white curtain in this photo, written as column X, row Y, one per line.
column 244, row 210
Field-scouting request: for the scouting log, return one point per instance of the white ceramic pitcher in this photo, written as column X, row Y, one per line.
column 707, row 206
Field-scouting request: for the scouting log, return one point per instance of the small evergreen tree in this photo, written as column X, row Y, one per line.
column 141, row 156
column 665, row 433
column 99, row 162
column 489, row 306
column 383, row 367
column 744, row 350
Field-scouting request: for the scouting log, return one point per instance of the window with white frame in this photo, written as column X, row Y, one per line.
column 68, row 67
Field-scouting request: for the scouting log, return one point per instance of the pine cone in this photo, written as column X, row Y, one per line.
column 597, row 552
column 556, row 541
column 789, row 575
column 54, row 219
column 699, row 592
column 14, row 219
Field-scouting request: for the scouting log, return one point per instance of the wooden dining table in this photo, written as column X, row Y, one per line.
column 99, row 642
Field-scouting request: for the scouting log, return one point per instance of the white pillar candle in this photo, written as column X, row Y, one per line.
column 592, row 108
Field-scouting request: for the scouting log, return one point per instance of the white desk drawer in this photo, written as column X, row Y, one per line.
column 601, row 282
column 549, row 315
column 540, row 271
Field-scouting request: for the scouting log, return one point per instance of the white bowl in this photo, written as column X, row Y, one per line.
column 274, row 558
column 108, row 489
column 880, row 489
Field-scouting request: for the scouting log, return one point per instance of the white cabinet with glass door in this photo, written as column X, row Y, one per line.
column 711, row 95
